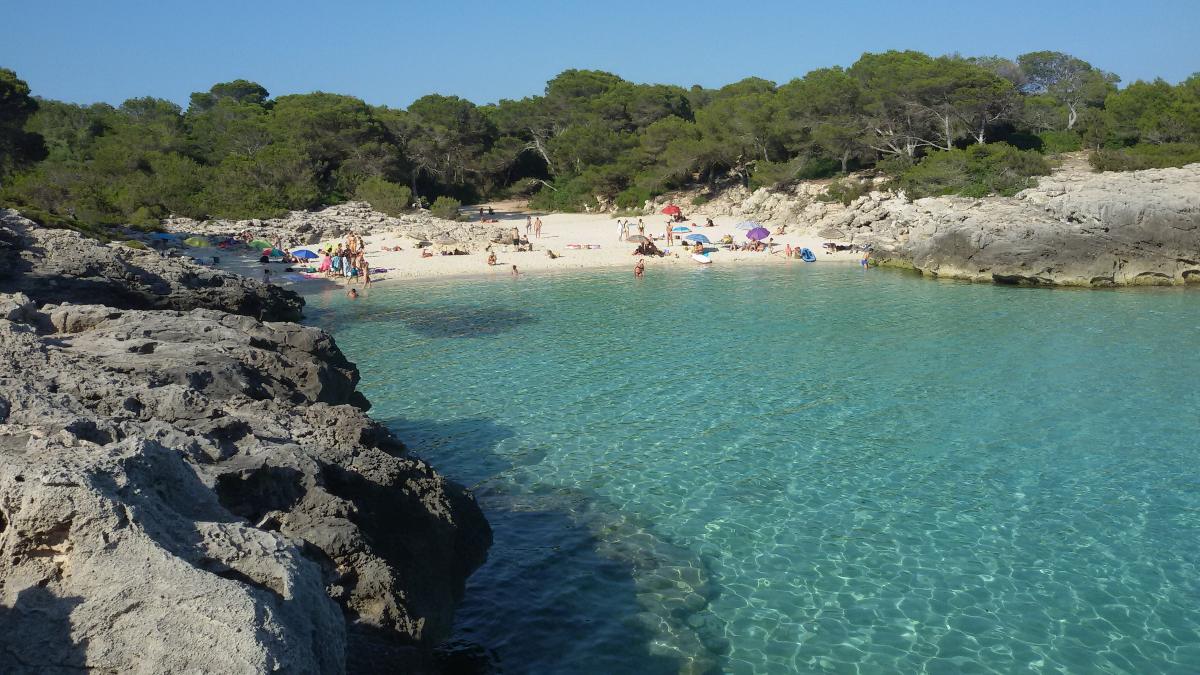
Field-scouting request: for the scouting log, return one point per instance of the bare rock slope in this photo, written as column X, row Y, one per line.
column 200, row 491
column 51, row 265
column 1074, row 228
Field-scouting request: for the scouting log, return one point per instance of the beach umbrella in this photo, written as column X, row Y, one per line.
column 637, row 239
column 698, row 237
column 260, row 244
column 747, row 225
column 671, row 210
column 681, row 228
column 304, row 254
column 197, row 242
column 758, row 234
column 275, row 253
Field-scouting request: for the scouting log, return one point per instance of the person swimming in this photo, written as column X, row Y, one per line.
column 639, row 270
column 353, row 294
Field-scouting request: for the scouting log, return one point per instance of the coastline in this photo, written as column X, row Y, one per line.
column 559, row 230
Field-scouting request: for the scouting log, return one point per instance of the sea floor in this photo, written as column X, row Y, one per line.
column 806, row 468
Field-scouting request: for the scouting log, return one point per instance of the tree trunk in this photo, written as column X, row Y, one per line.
column 1072, row 116
column 845, row 161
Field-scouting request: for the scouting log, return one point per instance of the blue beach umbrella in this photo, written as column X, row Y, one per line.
column 304, row 254
column 698, row 237
column 747, row 225
column 681, row 228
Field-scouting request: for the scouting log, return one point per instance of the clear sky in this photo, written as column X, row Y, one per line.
column 394, row 52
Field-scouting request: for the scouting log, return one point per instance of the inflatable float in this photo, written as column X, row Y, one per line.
column 701, row 258
column 807, row 255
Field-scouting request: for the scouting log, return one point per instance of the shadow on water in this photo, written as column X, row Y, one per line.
column 569, row 585
column 456, row 321
column 35, row 634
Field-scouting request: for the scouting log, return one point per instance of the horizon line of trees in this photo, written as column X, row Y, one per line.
column 591, row 139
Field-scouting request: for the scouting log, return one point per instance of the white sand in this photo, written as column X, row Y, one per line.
column 559, row 230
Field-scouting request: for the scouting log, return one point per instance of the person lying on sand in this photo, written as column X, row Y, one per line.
column 552, row 255
column 426, row 253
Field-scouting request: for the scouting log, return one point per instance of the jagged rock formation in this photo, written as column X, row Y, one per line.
column 199, row 491
column 1074, row 228
column 52, row 265
column 302, row 228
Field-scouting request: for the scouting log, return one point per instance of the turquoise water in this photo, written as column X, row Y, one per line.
column 806, row 468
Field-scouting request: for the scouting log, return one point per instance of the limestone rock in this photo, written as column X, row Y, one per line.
column 304, row 228
column 51, row 265
column 202, row 492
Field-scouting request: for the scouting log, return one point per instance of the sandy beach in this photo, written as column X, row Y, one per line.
column 560, row 231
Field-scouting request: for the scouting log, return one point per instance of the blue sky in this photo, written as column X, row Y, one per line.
column 394, row 52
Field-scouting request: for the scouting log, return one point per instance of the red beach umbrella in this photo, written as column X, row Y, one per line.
column 671, row 210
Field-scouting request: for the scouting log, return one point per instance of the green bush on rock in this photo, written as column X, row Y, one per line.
column 446, row 207
column 1145, row 157
column 384, row 196
column 978, row 171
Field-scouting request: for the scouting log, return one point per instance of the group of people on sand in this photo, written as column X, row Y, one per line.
column 346, row 260
column 625, row 228
column 534, row 224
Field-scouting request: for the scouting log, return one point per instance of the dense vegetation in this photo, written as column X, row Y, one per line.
column 939, row 125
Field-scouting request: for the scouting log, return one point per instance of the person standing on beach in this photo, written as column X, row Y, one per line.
column 620, row 229
column 365, row 269
column 514, row 271
column 537, row 228
column 528, row 226
column 641, row 227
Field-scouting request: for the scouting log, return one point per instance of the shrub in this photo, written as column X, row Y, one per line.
column 978, row 171
column 446, row 207
column 845, row 191
column 699, row 200
column 1145, row 156
column 1054, row 142
column 384, row 196
column 147, row 218
column 570, row 196
column 633, row 197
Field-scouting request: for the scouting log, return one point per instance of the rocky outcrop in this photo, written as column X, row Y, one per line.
column 305, row 228
column 202, row 491
column 51, row 265
column 1074, row 228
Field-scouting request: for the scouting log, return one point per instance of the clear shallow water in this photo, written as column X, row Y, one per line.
column 806, row 469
